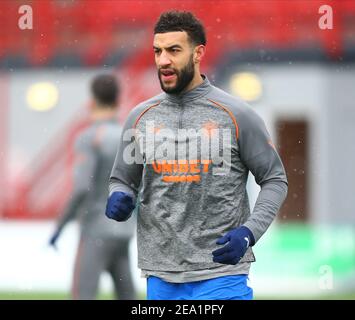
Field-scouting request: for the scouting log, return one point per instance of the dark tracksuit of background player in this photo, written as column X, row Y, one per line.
column 103, row 245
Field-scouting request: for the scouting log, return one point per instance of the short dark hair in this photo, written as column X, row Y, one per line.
column 105, row 90
column 170, row 21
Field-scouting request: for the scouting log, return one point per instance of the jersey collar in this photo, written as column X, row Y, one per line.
column 193, row 94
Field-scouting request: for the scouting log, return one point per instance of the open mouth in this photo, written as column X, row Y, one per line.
column 167, row 74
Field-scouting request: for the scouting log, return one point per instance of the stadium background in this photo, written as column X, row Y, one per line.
column 298, row 77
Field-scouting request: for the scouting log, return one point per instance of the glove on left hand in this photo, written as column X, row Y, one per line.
column 54, row 238
column 239, row 240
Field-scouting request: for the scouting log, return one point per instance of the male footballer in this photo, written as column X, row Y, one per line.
column 103, row 246
column 188, row 152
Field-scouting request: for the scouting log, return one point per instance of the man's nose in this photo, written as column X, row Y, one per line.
column 164, row 60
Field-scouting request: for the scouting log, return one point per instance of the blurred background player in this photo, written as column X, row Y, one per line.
column 103, row 246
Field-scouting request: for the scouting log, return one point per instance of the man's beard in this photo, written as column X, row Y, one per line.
column 183, row 78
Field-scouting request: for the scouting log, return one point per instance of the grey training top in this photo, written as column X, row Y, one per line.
column 95, row 151
column 192, row 155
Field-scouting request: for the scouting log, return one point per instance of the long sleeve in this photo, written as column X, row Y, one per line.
column 126, row 173
column 85, row 162
column 261, row 158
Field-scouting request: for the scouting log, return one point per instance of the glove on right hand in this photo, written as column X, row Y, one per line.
column 119, row 206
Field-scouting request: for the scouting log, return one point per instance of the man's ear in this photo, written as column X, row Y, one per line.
column 199, row 53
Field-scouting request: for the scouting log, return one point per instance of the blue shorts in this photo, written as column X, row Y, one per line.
column 222, row 288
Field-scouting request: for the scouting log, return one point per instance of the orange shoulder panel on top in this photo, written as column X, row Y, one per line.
column 143, row 112
column 230, row 114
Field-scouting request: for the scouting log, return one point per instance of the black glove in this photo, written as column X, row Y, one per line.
column 54, row 238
